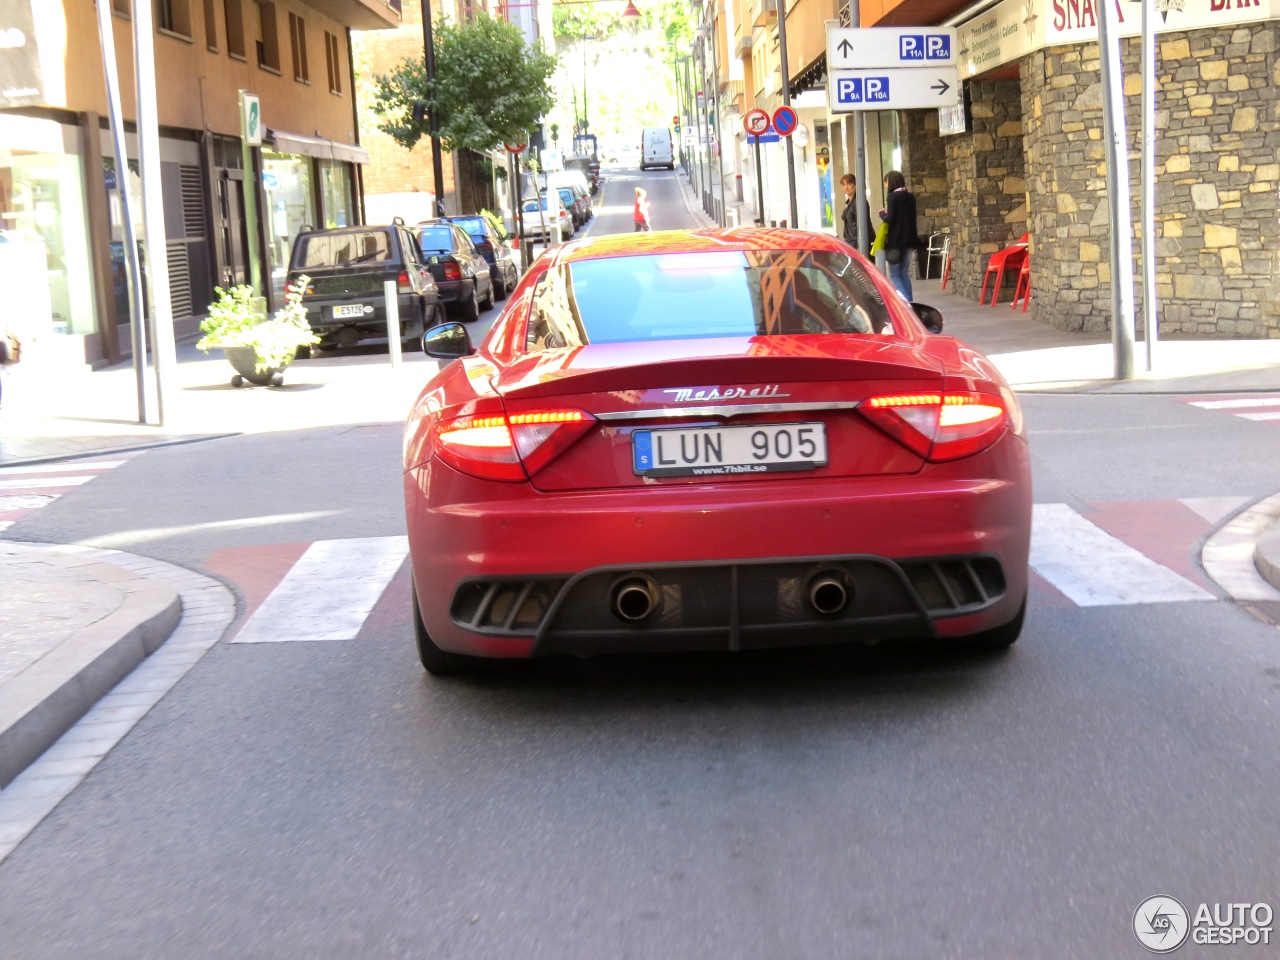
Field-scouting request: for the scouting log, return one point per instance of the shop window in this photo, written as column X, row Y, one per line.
column 298, row 40
column 174, row 16
column 268, row 40
column 235, row 28
column 333, row 62
column 211, row 25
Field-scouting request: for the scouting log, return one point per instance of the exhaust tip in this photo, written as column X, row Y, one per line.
column 634, row 599
column 828, row 594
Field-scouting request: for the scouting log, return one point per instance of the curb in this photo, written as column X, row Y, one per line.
column 51, row 695
column 1266, row 555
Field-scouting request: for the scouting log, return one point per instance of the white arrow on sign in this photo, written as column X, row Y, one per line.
column 853, row 48
column 923, row 87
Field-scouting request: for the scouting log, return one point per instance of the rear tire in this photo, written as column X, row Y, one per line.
column 469, row 309
column 500, row 288
column 490, row 297
column 998, row 638
column 437, row 662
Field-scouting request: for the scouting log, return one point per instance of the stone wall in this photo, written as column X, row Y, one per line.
column 988, row 196
column 1217, row 175
column 924, row 165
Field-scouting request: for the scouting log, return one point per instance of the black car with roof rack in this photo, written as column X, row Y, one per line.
column 348, row 267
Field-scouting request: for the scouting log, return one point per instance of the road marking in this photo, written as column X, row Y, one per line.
column 1095, row 569
column 1273, row 415
column 35, row 483
column 328, row 593
column 78, row 467
column 1234, row 404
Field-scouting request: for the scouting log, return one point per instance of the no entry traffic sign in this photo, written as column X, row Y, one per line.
column 514, row 147
column 785, row 120
column 756, row 122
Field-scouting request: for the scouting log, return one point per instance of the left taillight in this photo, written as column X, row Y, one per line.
column 402, row 283
column 509, row 447
column 939, row 426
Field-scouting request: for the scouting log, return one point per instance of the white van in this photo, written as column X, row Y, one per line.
column 656, row 148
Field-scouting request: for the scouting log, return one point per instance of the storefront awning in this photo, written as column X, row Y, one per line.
column 316, row 147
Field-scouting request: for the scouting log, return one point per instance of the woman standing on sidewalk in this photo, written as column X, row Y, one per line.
column 900, row 214
column 640, row 215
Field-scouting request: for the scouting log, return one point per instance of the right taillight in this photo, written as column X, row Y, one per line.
column 939, row 426
column 509, row 447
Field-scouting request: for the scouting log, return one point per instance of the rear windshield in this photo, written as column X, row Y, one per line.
column 717, row 294
column 473, row 225
column 342, row 249
column 532, row 206
column 435, row 238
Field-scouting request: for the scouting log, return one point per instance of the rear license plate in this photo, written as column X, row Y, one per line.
column 724, row 451
column 342, row 313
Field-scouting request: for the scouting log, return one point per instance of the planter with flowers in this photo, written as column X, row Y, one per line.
column 257, row 348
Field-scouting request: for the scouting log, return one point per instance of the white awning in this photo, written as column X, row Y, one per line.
column 316, row 147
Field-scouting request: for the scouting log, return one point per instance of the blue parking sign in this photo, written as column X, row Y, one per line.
column 862, row 89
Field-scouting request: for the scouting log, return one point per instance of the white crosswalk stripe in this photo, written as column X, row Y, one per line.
column 329, row 592
column 1095, row 569
column 1259, row 409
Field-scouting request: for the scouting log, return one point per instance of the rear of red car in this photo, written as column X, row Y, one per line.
column 763, row 466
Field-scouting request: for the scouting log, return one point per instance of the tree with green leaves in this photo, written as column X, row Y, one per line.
column 490, row 87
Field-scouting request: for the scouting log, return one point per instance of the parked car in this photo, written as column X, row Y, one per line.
column 348, row 267
column 717, row 440
column 536, row 220
column 461, row 273
column 588, row 168
column 575, row 179
column 578, row 207
column 495, row 247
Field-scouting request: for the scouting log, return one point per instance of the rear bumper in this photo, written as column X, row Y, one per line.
column 937, row 554
column 371, row 323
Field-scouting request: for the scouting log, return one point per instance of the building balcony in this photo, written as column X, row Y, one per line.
column 361, row 14
column 763, row 12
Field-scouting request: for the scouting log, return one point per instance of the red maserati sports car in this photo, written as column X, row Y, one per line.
column 711, row 440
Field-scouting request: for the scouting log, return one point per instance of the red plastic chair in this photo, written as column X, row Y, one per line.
column 946, row 267
column 1010, row 258
column 1023, row 287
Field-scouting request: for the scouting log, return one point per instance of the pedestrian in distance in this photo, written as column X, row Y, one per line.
column 850, row 215
column 640, row 215
column 900, row 241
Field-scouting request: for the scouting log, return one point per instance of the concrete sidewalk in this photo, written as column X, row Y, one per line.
column 76, row 620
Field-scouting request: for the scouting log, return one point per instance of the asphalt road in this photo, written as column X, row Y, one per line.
column 328, row 800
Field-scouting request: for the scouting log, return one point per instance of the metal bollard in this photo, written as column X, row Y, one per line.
column 391, row 295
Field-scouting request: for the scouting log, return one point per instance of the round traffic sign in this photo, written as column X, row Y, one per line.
column 756, row 122
column 785, row 120
column 514, row 147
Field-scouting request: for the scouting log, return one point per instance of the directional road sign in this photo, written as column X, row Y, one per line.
column 850, row 90
column 854, row 48
column 785, row 120
column 755, row 122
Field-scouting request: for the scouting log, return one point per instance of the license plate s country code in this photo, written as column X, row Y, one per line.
column 726, row 451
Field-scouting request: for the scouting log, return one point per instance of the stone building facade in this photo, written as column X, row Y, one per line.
column 1033, row 161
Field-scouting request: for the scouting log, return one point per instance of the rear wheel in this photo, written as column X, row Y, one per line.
column 490, row 296
column 499, row 285
column 469, row 308
column 440, row 663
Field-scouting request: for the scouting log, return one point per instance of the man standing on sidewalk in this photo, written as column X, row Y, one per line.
column 850, row 216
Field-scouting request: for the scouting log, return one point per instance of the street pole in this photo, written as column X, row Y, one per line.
column 163, row 350
column 860, row 157
column 759, row 185
column 786, row 102
column 715, row 87
column 693, row 107
column 137, row 329
column 1121, row 217
column 429, row 53
column 1150, row 306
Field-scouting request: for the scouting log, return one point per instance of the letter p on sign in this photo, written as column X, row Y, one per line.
column 937, row 46
column 911, row 47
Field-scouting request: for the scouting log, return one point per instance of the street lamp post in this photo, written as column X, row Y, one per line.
column 429, row 53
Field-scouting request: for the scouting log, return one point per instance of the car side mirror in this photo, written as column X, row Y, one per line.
column 447, row 341
column 931, row 317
